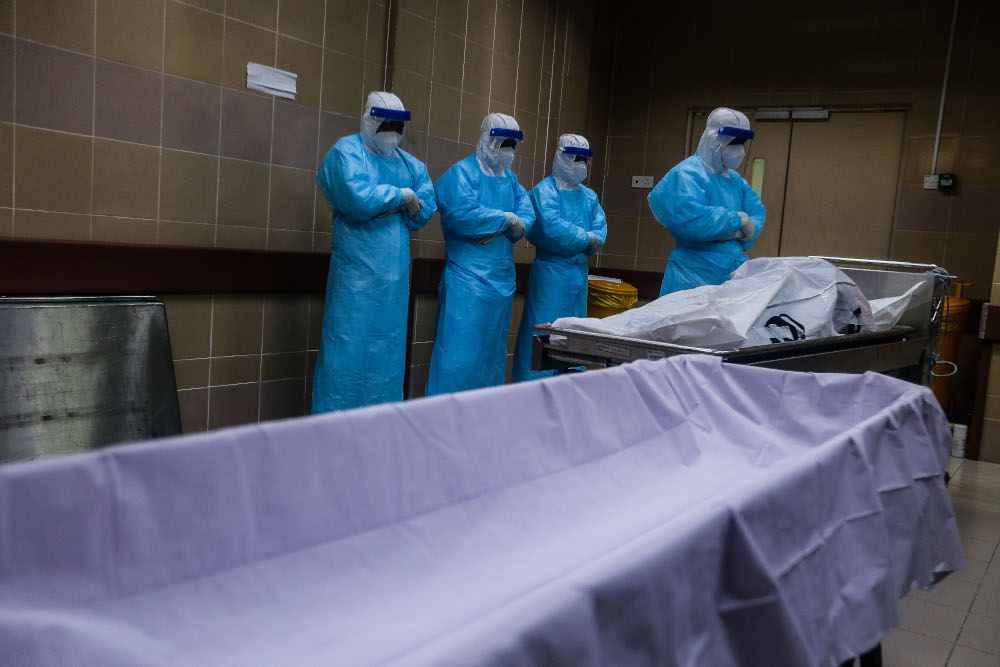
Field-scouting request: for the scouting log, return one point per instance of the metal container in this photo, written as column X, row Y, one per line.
column 78, row 373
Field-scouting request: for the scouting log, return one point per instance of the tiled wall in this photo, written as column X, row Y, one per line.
column 243, row 358
column 989, row 446
column 872, row 54
column 129, row 121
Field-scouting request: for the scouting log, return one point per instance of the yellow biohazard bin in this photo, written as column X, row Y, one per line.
column 606, row 297
column 955, row 316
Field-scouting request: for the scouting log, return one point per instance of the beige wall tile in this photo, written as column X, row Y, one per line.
column 345, row 26
column 245, row 44
column 415, row 91
column 425, row 8
column 259, row 12
column 131, row 31
column 414, row 44
column 193, row 43
column 191, row 373
column 343, row 84
column 452, row 16
column 287, row 240
column 374, row 76
column 305, row 60
column 40, row 154
column 449, row 59
column 45, row 225
column 6, row 164
column 65, row 23
column 243, row 193
column 193, row 405
column 971, row 257
column 7, row 16
column 233, row 405
column 292, row 193
column 989, row 447
column 123, row 230
column 185, row 233
column 478, row 66
column 236, row 325
column 245, row 238
column 321, row 242
column 189, row 323
column 235, row 370
column 444, row 111
column 6, row 222
column 927, row 247
column 993, row 407
column 474, row 110
column 283, row 365
column 482, row 19
column 125, row 179
column 303, row 19
column 188, row 187
column 376, row 43
column 286, row 321
column 217, row 6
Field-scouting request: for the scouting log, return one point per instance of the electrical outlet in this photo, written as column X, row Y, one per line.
column 644, row 182
column 930, row 182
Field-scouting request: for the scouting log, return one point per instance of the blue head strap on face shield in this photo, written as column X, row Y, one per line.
column 390, row 114
column 575, row 150
column 517, row 135
column 737, row 132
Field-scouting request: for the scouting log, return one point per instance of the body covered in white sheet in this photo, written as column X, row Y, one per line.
column 767, row 300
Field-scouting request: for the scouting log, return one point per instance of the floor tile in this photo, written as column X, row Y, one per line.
column 929, row 618
column 974, row 571
column 963, row 656
column 902, row 648
column 977, row 548
column 987, row 602
column 951, row 592
column 982, row 633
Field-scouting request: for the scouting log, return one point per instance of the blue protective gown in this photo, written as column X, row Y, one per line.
column 362, row 354
column 477, row 287
column 558, row 283
column 697, row 206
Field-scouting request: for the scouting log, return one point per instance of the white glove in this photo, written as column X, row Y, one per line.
column 514, row 225
column 411, row 202
column 747, row 228
column 593, row 243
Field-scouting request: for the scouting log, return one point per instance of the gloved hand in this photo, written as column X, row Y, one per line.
column 411, row 202
column 593, row 243
column 747, row 228
column 514, row 225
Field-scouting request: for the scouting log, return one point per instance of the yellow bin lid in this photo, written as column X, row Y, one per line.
column 612, row 287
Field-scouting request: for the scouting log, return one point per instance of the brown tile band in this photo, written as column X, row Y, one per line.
column 60, row 267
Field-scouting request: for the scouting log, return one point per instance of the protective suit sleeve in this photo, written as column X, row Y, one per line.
column 424, row 188
column 346, row 181
column 680, row 204
column 551, row 231
column 522, row 206
column 461, row 212
column 754, row 207
column 598, row 221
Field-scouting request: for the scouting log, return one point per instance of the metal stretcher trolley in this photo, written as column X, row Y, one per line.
column 907, row 351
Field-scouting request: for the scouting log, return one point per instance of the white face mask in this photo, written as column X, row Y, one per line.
column 387, row 142
column 732, row 156
column 579, row 172
column 506, row 157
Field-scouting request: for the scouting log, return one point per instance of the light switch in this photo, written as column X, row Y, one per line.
column 643, row 182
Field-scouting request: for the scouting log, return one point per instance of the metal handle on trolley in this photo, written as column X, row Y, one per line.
column 880, row 262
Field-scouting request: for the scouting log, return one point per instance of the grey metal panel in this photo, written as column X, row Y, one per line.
column 876, row 284
column 84, row 372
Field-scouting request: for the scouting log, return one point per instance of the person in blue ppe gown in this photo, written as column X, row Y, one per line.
column 569, row 226
column 484, row 211
column 712, row 213
column 379, row 194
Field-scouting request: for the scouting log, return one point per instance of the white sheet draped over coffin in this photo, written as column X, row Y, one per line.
column 682, row 512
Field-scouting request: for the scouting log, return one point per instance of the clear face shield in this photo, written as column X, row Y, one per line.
column 734, row 150
column 504, row 142
column 391, row 131
column 576, row 162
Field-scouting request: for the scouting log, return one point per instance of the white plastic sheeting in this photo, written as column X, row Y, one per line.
column 767, row 300
column 682, row 512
